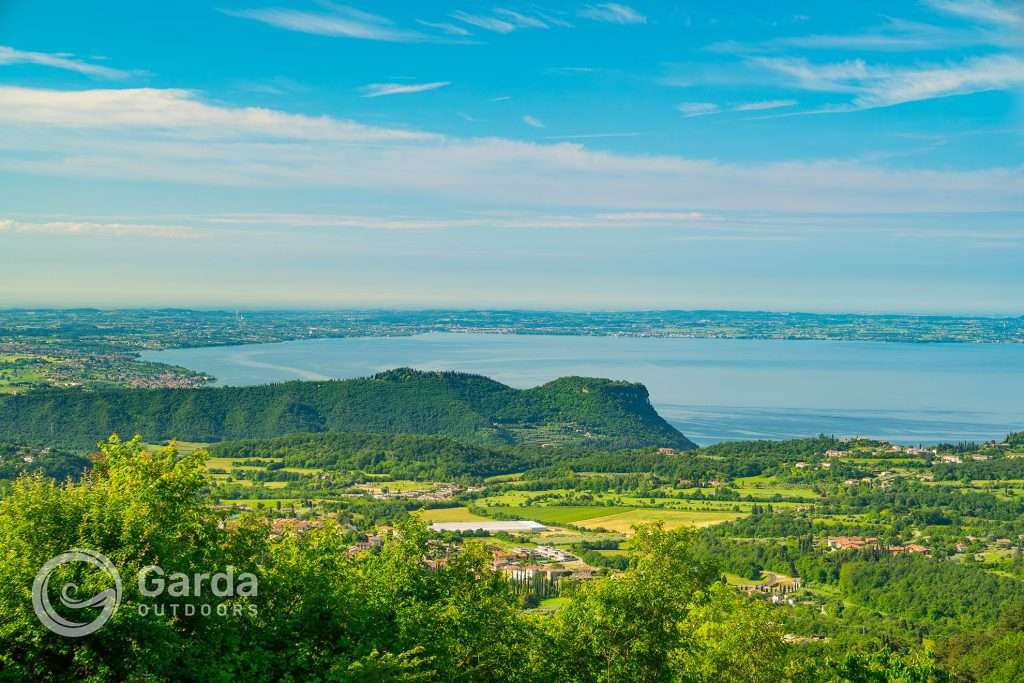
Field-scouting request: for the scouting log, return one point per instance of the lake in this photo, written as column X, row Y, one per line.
column 711, row 389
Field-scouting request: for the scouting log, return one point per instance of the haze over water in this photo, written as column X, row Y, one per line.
column 711, row 389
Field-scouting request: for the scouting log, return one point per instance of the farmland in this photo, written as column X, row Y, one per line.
column 809, row 526
column 624, row 522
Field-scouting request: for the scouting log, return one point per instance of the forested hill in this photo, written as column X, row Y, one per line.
column 567, row 411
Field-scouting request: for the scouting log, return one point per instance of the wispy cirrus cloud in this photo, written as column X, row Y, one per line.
column 97, row 228
column 893, row 35
column 10, row 55
column 524, row 219
column 692, row 109
column 385, row 89
column 340, row 21
column 519, row 19
column 533, row 121
column 156, row 136
column 487, row 23
column 884, row 86
column 157, row 109
column 445, row 27
column 502, row 20
column 592, row 136
column 762, row 105
column 982, row 10
column 613, row 13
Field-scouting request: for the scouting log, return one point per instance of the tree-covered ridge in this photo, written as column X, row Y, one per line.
column 475, row 409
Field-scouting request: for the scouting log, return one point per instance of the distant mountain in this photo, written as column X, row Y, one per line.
column 567, row 411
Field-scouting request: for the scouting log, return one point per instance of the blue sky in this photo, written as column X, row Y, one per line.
column 793, row 156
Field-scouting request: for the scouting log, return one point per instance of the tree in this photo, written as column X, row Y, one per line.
column 628, row 627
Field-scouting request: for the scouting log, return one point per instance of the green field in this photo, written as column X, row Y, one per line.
column 568, row 498
column 624, row 522
column 261, row 503
column 449, row 515
column 762, row 487
column 183, row 448
column 560, row 515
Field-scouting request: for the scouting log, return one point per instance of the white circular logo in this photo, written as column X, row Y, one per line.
column 108, row 599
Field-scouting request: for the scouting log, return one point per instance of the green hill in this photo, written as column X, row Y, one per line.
column 567, row 411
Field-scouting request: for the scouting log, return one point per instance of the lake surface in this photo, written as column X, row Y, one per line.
column 711, row 389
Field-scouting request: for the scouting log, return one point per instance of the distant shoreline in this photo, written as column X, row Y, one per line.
column 154, row 329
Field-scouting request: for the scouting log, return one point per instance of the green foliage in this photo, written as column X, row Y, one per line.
column 324, row 614
column 992, row 655
column 935, row 597
column 468, row 407
column 403, row 456
column 57, row 464
column 791, row 450
column 631, row 628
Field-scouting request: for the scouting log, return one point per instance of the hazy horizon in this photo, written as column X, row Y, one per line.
column 232, row 308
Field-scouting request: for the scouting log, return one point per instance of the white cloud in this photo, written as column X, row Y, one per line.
column 520, row 20
column 691, row 109
column 895, row 35
column 553, row 18
column 533, row 121
column 343, row 22
column 653, row 216
column 9, row 55
column 159, row 136
column 591, row 136
column 159, row 110
column 613, row 13
column 486, row 23
column 112, row 229
column 384, row 89
column 762, row 105
column 884, row 86
column 527, row 220
column 981, row 10
column 450, row 29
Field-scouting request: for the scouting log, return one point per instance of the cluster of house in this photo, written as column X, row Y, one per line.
column 522, row 564
column 435, row 492
column 892, row 448
column 776, row 588
column 883, row 479
column 956, row 459
column 862, row 542
column 372, row 542
column 710, row 483
column 284, row 525
column 1000, row 543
